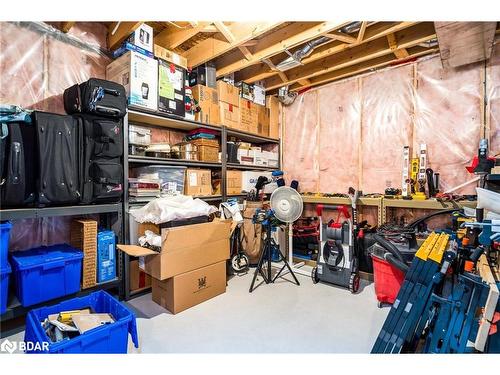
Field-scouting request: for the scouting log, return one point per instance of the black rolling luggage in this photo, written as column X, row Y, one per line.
column 96, row 96
column 102, row 151
column 58, row 153
column 18, row 177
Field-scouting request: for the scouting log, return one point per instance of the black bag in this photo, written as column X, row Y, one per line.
column 58, row 152
column 96, row 96
column 102, row 151
column 18, row 179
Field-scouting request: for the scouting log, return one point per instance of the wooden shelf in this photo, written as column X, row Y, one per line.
column 250, row 137
column 428, row 204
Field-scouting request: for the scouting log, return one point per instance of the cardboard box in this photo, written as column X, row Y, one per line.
column 189, row 289
column 233, row 182
column 273, row 104
column 272, row 158
column 139, row 75
column 249, row 179
column 138, row 279
column 244, row 157
column 142, row 37
column 169, row 56
column 229, row 115
column 259, row 95
column 228, row 93
column 208, row 100
column 171, row 88
column 127, row 46
column 185, row 248
column 198, row 182
column 248, row 116
column 246, row 90
column 263, row 121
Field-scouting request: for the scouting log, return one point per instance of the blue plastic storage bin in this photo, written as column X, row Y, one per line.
column 4, row 286
column 5, row 228
column 109, row 338
column 106, row 256
column 46, row 272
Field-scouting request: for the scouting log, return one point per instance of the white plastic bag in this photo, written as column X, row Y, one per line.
column 162, row 210
column 488, row 200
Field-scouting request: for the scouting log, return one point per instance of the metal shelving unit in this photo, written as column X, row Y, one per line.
column 154, row 119
column 112, row 218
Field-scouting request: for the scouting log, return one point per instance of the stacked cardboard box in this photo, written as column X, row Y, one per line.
column 198, row 182
column 248, row 116
column 263, row 121
column 171, row 57
column 208, row 101
column 233, row 182
column 83, row 236
column 190, row 268
column 228, row 104
column 273, row 104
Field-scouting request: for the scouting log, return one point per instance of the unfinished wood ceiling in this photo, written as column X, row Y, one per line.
column 294, row 54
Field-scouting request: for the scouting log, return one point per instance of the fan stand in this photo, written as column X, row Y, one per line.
column 267, row 251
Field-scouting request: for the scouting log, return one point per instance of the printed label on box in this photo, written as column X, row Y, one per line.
column 172, row 104
column 193, row 180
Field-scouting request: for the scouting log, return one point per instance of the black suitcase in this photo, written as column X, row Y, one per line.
column 96, row 96
column 58, row 152
column 18, row 178
column 101, row 166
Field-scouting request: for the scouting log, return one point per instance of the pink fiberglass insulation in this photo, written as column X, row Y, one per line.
column 300, row 140
column 448, row 119
column 493, row 97
column 386, row 122
column 339, row 110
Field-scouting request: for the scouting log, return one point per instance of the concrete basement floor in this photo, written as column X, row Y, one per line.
column 279, row 318
column 275, row 318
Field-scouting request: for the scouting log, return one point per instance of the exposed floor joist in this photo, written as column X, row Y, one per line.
column 172, row 38
column 276, row 43
column 119, row 31
column 377, row 63
column 260, row 71
column 364, row 52
column 211, row 48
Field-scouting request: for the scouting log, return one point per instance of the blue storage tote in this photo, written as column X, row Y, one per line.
column 5, row 228
column 106, row 256
column 108, row 338
column 4, row 286
column 46, row 272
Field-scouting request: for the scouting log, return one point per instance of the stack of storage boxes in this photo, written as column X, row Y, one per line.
column 191, row 266
column 207, row 99
column 228, row 104
column 248, row 116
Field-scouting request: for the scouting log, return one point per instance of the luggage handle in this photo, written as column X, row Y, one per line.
column 111, row 92
column 107, row 110
column 52, row 265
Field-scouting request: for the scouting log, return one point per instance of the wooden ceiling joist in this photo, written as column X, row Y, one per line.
column 119, row 31
column 346, row 38
column 172, row 37
column 361, row 32
column 66, row 26
column 364, row 52
column 377, row 63
column 400, row 53
column 276, row 43
column 379, row 30
column 224, row 30
column 211, row 48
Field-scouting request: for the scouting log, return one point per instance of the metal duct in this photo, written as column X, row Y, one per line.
column 430, row 43
column 352, row 27
column 295, row 59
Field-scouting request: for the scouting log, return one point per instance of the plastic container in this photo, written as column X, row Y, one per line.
column 172, row 178
column 47, row 272
column 5, row 228
column 106, row 256
column 4, row 286
column 388, row 280
column 109, row 338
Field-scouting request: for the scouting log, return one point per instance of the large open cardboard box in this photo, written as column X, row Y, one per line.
column 185, row 249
